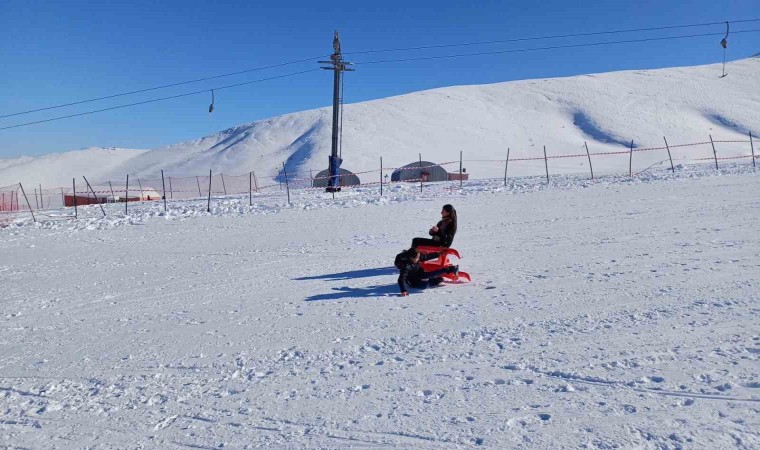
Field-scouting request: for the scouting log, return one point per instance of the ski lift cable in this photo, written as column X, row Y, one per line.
column 157, row 99
column 553, row 47
column 47, row 108
column 381, row 62
column 556, row 36
column 367, row 52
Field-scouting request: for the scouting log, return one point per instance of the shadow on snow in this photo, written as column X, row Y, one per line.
column 338, row 293
column 364, row 273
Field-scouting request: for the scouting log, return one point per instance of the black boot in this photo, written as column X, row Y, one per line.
column 435, row 281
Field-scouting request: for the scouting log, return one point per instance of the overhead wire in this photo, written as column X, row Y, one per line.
column 427, row 47
column 421, row 58
column 556, row 36
column 204, row 91
column 553, row 47
column 165, row 86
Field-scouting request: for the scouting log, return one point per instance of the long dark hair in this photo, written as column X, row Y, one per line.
column 452, row 217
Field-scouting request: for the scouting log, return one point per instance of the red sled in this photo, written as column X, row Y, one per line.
column 442, row 262
column 430, row 266
column 444, row 253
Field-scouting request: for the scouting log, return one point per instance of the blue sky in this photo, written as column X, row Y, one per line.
column 55, row 52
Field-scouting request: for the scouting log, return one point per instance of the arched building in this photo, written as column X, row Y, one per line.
column 347, row 178
column 412, row 172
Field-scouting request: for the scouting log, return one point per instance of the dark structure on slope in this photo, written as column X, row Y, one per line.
column 346, row 178
column 412, row 172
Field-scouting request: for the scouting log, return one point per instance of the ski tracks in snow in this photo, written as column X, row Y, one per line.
column 615, row 316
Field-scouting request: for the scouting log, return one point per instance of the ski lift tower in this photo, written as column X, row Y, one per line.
column 338, row 66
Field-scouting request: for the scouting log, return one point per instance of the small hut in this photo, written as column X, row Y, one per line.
column 347, row 178
column 425, row 171
column 86, row 198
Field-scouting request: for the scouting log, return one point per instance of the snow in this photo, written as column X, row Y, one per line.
column 57, row 169
column 616, row 313
column 607, row 111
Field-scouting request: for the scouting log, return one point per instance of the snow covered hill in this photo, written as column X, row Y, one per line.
column 607, row 110
column 58, row 169
column 611, row 314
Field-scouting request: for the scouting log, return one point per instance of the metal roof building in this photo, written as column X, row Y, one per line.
column 347, row 178
column 412, row 172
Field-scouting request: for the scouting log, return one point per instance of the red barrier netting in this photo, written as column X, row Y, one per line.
column 10, row 204
column 9, row 198
column 12, row 199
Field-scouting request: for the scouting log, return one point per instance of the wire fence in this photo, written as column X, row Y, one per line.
column 15, row 199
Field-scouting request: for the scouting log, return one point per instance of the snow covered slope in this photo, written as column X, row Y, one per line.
column 607, row 110
column 615, row 314
column 58, row 169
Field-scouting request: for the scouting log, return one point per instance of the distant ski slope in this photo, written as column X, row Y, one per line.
column 606, row 110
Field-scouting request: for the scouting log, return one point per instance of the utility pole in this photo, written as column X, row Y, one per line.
column 338, row 66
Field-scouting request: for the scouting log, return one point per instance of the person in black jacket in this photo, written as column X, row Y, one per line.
column 443, row 232
column 411, row 273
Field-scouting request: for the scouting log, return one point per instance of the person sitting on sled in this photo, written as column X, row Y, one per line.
column 442, row 233
column 413, row 275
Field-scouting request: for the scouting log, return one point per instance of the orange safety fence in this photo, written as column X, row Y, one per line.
column 175, row 188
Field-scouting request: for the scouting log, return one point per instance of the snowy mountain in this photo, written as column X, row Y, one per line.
column 606, row 110
column 57, row 169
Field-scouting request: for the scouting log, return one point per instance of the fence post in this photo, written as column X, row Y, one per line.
column 546, row 163
column 63, row 199
column 250, row 189
column 287, row 186
column 208, row 207
column 311, row 178
column 198, row 182
column 36, row 203
column 381, row 176
column 255, row 182
column 113, row 196
column 163, row 187
column 752, row 146
column 224, row 187
column 673, row 169
column 141, row 190
column 27, row 202
column 630, row 161
column 589, row 160
column 94, row 195
column 506, row 166
column 171, row 191
column 74, row 186
column 420, row 172
column 715, row 154
column 126, row 197
column 460, row 169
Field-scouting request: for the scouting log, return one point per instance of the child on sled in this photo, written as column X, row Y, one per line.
column 412, row 274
